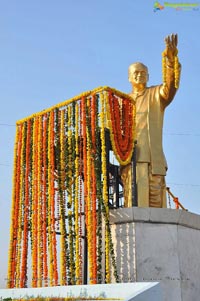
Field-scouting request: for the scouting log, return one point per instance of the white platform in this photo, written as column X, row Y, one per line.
column 159, row 245
column 113, row 292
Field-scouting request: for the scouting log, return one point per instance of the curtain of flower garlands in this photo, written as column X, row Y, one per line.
column 60, row 187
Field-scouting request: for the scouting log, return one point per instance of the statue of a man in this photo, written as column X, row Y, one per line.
column 151, row 102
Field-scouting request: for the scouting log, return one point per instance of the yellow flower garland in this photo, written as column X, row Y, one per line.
column 164, row 68
column 70, row 191
column 71, row 254
column 176, row 68
column 62, row 208
column 77, row 264
column 40, row 215
column 176, row 71
column 89, row 199
column 49, row 200
column 69, row 134
column 105, row 188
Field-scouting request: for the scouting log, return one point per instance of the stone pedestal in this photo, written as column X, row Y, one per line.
column 159, row 245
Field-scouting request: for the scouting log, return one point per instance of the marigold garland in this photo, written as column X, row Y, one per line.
column 35, row 206
column 15, row 211
column 21, row 205
column 60, row 184
column 175, row 66
column 176, row 72
column 100, row 202
column 85, row 171
column 23, row 277
column 44, row 197
column 105, row 188
column 76, row 203
column 52, row 199
column 71, row 253
column 80, row 196
column 76, row 98
column 89, row 199
column 10, row 281
column 50, row 196
column 40, row 205
column 70, row 196
column 63, row 277
column 122, row 127
column 69, row 169
column 94, row 196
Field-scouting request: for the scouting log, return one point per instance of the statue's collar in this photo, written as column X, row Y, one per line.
column 137, row 94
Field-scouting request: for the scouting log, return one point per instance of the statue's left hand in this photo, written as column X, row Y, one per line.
column 171, row 43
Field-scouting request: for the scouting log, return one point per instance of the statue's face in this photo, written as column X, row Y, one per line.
column 138, row 74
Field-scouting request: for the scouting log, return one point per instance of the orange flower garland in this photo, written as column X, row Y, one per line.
column 10, row 280
column 15, row 212
column 35, row 206
column 122, row 127
column 40, row 205
column 20, row 218
column 44, row 198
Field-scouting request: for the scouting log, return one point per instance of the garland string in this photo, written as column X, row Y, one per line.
column 21, row 205
column 23, row 276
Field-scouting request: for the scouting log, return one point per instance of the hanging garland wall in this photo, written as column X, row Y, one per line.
column 60, row 193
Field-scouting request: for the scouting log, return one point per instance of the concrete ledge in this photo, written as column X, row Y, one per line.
column 113, row 292
column 155, row 215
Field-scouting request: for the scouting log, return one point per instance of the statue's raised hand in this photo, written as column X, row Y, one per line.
column 171, row 43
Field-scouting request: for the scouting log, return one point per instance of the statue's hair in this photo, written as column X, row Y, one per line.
column 134, row 65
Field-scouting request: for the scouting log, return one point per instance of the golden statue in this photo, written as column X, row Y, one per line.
column 151, row 165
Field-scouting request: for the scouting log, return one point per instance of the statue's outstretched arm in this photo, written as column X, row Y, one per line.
column 170, row 69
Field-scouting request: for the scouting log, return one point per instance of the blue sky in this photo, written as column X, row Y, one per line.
column 53, row 50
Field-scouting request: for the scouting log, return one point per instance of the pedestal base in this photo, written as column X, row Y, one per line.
column 159, row 245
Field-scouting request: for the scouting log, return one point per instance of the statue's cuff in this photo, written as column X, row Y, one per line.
column 170, row 66
column 170, row 63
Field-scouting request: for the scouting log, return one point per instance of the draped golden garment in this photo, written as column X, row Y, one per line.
column 151, row 163
column 151, row 189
